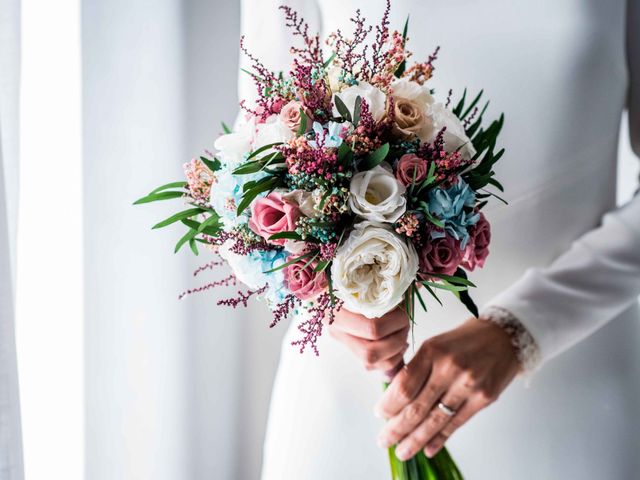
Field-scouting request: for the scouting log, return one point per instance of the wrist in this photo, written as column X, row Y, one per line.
column 523, row 343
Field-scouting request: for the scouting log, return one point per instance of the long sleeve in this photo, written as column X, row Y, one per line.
column 599, row 276
column 267, row 38
column 11, row 467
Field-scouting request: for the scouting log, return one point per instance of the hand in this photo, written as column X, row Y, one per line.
column 379, row 343
column 466, row 369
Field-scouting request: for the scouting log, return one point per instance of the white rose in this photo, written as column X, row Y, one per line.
column 405, row 88
column 232, row 147
column 375, row 98
column 273, row 130
column 376, row 195
column 335, row 84
column 373, row 269
column 454, row 135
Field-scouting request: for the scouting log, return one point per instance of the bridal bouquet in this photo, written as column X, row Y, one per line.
column 345, row 185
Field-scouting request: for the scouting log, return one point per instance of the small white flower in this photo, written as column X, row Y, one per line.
column 335, row 84
column 373, row 269
column 233, row 147
column 375, row 98
column 454, row 135
column 376, row 195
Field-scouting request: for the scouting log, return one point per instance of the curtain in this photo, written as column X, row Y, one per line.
column 10, row 435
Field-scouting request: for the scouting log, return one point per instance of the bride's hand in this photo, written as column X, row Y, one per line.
column 450, row 379
column 379, row 343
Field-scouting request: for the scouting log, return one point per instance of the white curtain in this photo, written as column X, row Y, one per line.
column 10, row 436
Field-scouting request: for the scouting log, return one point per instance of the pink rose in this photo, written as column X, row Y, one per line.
column 302, row 279
column 291, row 117
column 478, row 247
column 410, row 165
column 442, row 256
column 271, row 215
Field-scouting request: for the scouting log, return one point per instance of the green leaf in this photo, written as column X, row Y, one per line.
column 342, row 108
column 444, row 286
column 168, row 186
column 456, row 280
column 285, row 235
column 303, row 123
column 329, row 60
column 375, row 158
column 433, row 294
column 187, row 236
column 254, row 192
column 468, row 302
column 458, row 108
column 262, row 149
column 417, row 293
column 178, row 216
column 290, row 262
column 322, row 266
column 194, row 246
column 213, row 165
column 225, row 128
column 213, row 220
column 357, row 110
column 473, row 103
column 248, row 168
column 159, row 196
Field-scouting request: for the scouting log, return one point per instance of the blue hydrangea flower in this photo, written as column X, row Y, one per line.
column 449, row 206
column 267, row 260
column 227, row 193
column 331, row 135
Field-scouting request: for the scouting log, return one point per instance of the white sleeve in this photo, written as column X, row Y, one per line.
column 268, row 39
column 599, row 277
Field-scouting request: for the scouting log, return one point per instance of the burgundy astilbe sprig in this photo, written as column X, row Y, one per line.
column 324, row 309
column 448, row 165
column 312, row 89
column 350, row 56
column 267, row 83
column 208, row 266
column 312, row 52
column 378, row 56
column 225, row 282
column 241, row 298
column 283, row 309
column 242, row 242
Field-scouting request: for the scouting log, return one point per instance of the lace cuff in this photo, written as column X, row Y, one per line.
column 526, row 348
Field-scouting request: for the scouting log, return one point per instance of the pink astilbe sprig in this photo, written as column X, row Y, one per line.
column 370, row 134
column 241, row 298
column 448, row 165
column 225, row 282
column 378, row 56
column 283, row 309
column 199, row 179
column 312, row 51
column 421, row 72
column 312, row 89
column 324, row 309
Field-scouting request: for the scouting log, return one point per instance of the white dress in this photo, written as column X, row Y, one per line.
column 563, row 72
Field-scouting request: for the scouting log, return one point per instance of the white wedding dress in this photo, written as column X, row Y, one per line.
column 563, row 72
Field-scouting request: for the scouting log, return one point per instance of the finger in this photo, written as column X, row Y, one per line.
column 370, row 328
column 411, row 416
column 406, row 385
column 468, row 410
column 429, row 427
column 374, row 352
column 389, row 364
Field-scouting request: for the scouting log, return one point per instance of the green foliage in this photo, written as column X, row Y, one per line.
column 342, row 108
column 375, row 158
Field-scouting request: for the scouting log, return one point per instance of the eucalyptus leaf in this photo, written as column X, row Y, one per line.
column 177, row 217
column 159, row 196
column 375, row 158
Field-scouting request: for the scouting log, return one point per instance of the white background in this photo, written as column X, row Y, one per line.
column 118, row 378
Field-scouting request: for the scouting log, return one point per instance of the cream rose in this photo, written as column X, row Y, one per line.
column 376, row 195
column 373, row 269
column 454, row 135
column 375, row 98
column 411, row 106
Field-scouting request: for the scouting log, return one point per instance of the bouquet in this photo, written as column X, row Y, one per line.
column 345, row 185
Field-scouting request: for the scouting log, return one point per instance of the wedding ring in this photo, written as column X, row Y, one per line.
column 448, row 411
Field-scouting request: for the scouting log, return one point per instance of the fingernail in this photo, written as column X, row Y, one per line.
column 402, row 453
column 383, row 442
column 377, row 412
column 429, row 452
